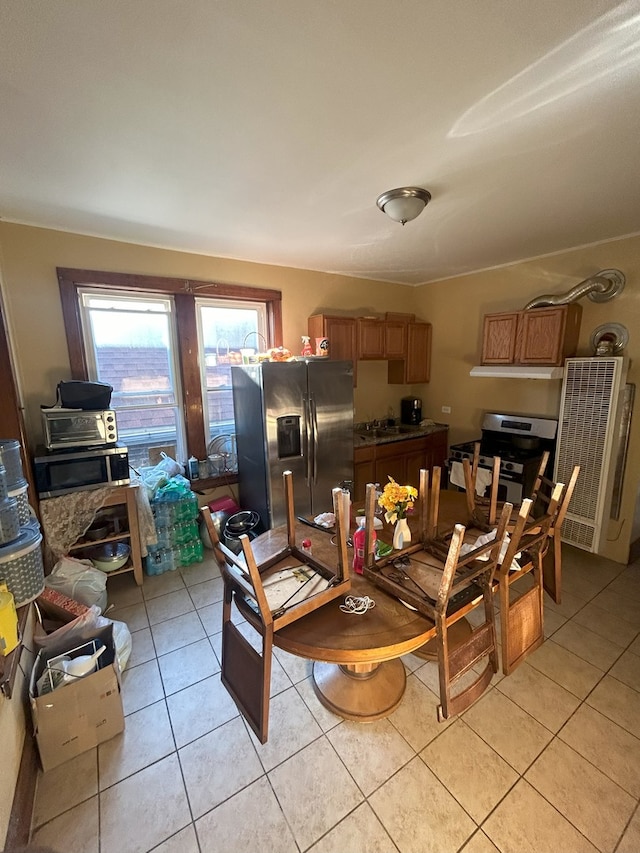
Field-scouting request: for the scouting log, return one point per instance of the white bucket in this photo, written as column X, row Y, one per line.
column 22, row 567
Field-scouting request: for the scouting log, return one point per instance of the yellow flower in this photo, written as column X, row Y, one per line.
column 396, row 500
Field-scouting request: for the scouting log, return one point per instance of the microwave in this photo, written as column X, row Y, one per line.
column 61, row 473
column 66, row 429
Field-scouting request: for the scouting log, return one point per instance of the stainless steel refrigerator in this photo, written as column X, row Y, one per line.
column 292, row 416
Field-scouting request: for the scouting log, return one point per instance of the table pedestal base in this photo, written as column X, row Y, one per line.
column 360, row 692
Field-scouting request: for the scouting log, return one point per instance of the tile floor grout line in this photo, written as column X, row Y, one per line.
column 555, row 736
column 444, row 785
column 526, row 781
column 626, row 826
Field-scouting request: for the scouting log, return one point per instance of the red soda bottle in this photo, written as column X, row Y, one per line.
column 359, row 539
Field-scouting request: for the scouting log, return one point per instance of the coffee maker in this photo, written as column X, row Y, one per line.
column 411, row 410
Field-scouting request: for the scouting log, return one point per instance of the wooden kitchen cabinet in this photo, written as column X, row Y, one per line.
column 499, row 337
column 363, row 470
column 370, row 336
column 125, row 497
column 549, row 335
column 403, row 342
column 401, row 460
column 340, row 331
column 437, row 449
column 544, row 336
column 390, row 461
column 395, row 339
column 415, row 367
column 416, row 457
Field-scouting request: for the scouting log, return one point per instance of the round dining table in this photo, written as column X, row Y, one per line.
column 357, row 671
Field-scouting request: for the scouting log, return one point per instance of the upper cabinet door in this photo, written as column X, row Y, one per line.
column 340, row 332
column 549, row 335
column 415, row 366
column 542, row 332
column 395, row 333
column 371, row 338
column 499, row 338
column 418, row 363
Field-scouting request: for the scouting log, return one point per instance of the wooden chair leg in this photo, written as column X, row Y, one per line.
column 552, row 568
column 493, row 504
column 469, row 487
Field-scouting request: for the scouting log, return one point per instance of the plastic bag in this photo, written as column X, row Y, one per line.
column 161, row 474
column 152, row 480
column 82, row 628
column 79, row 580
column 170, row 466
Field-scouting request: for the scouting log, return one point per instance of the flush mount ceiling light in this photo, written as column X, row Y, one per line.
column 404, row 204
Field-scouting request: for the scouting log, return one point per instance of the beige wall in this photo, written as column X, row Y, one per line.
column 30, row 257
column 454, row 307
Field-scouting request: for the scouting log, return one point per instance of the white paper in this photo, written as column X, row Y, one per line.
column 291, row 586
column 485, row 539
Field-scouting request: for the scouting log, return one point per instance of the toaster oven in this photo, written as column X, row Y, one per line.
column 68, row 429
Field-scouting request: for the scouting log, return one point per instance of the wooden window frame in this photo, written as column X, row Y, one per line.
column 184, row 292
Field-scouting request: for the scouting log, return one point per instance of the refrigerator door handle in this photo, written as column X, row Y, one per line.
column 314, row 434
column 307, row 439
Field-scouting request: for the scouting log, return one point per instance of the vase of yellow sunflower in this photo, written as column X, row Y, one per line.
column 397, row 501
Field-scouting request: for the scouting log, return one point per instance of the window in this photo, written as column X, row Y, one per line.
column 225, row 328
column 130, row 342
column 166, row 346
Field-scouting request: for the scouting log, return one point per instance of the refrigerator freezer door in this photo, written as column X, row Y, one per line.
column 330, row 386
column 271, row 434
column 285, row 410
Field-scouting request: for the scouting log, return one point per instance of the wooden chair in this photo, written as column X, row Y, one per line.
column 552, row 566
column 483, row 511
column 443, row 584
column 272, row 594
column 475, row 502
column 521, row 618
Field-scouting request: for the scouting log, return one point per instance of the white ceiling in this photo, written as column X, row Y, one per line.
column 265, row 130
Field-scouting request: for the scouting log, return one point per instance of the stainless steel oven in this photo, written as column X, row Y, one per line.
column 519, row 441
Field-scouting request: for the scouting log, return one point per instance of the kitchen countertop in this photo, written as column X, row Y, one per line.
column 373, row 437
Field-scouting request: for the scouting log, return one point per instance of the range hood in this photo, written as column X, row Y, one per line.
column 517, row 371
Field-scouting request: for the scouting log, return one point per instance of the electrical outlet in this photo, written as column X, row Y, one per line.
column 446, row 410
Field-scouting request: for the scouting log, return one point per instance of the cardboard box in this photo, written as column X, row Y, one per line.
column 76, row 717
column 60, row 606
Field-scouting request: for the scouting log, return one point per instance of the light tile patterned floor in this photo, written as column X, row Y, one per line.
column 547, row 761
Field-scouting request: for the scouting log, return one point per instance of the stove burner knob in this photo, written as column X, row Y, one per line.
column 508, row 466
